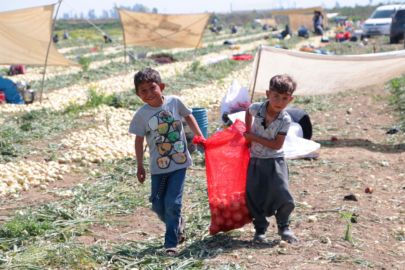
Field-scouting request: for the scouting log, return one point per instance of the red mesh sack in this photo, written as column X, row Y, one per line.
column 226, row 160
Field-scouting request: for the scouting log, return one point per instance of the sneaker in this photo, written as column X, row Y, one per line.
column 260, row 237
column 286, row 234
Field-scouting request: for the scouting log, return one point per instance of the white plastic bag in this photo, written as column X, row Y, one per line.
column 235, row 94
column 296, row 147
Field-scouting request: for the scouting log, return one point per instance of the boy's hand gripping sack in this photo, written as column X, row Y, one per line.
column 226, row 159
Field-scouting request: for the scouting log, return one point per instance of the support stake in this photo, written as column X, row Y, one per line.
column 47, row 53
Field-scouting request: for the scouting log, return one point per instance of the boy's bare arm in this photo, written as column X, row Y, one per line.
column 272, row 144
column 192, row 123
column 248, row 121
column 139, row 158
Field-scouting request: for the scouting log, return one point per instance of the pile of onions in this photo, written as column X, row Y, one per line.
column 20, row 176
column 228, row 212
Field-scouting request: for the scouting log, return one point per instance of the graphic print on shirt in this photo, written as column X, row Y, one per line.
column 167, row 138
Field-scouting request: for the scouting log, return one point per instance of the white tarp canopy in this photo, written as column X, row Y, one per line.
column 160, row 30
column 25, row 35
column 318, row 74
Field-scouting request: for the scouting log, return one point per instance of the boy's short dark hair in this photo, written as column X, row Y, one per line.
column 283, row 84
column 146, row 75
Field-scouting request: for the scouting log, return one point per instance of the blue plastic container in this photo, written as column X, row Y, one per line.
column 200, row 115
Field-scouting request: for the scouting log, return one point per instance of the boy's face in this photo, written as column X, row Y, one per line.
column 151, row 93
column 278, row 101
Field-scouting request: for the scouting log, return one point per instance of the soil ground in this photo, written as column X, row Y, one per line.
column 362, row 156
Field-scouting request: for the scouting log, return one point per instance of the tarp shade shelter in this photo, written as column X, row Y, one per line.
column 318, row 74
column 160, row 30
column 287, row 12
column 311, row 10
column 25, row 35
column 297, row 20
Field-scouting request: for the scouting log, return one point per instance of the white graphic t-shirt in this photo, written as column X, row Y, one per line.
column 162, row 126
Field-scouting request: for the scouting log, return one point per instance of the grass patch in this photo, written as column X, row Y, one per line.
column 397, row 99
column 21, row 226
column 85, row 62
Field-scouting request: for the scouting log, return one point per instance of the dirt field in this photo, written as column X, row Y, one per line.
column 105, row 221
column 362, row 156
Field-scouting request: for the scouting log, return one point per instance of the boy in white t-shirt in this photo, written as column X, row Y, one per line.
column 160, row 121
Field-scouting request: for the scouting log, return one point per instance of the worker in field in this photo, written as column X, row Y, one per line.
column 106, row 38
column 234, row 29
column 303, row 32
column 16, row 69
column 10, row 90
column 286, row 31
column 65, row 34
column 55, row 38
column 318, row 22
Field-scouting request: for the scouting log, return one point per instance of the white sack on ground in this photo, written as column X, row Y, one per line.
column 295, row 146
column 25, row 35
column 318, row 74
column 160, row 30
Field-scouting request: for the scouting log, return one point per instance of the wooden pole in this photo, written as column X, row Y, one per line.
column 123, row 35
column 257, row 69
column 49, row 46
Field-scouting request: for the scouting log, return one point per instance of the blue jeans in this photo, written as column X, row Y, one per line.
column 166, row 199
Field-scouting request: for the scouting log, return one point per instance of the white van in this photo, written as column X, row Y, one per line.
column 379, row 22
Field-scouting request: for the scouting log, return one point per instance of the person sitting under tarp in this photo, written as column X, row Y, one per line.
column 254, row 25
column 234, row 29
column 15, row 70
column 106, row 38
column 303, row 32
column 264, row 26
column 284, row 33
column 65, row 34
column 214, row 29
column 55, row 38
column 10, row 91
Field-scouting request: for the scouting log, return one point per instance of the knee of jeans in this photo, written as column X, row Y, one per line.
column 173, row 208
column 293, row 205
column 160, row 212
column 290, row 206
column 157, row 206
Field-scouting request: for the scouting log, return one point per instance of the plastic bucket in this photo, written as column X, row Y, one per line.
column 200, row 115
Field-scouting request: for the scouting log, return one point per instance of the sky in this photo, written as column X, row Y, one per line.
column 178, row 6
